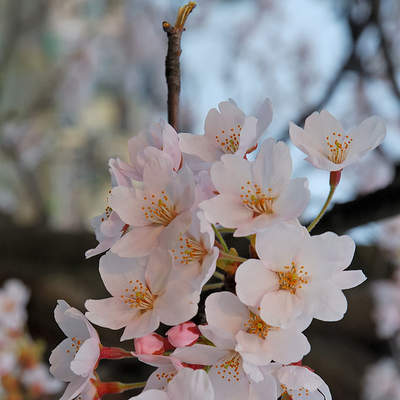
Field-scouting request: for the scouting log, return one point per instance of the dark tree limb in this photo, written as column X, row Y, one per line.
column 172, row 62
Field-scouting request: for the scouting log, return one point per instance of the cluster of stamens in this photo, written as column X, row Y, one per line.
column 108, row 210
column 256, row 200
column 165, row 377
column 158, row 209
column 289, row 395
column 75, row 345
column 138, row 296
column 229, row 369
column 188, row 250
column 293, row 278
column 256, row 326
column 338, row 146
column 229, row 140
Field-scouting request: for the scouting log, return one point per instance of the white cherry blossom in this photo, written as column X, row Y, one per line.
column 157, row 212
column 298, row 275
column 142, row 295
column 227, row 131
column 187, row 384
column 329, row 147
column 38, row 380
column 76, row 357
column 254, row 195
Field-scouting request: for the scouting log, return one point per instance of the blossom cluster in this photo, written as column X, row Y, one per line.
column 163, row 233
column 22, row 373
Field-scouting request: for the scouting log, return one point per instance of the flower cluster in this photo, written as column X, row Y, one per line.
column 22, row 373
column 169, row 211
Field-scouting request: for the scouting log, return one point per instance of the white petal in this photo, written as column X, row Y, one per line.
column 281, row 308
column 330, row 303
column 200, row 146
column 76, row 387
column 141, row 326
column 264, row 390
column 348, row 279
column 253, row 280
column 200, row 354
column 60, row 360
column 85, row 360
column 151, row 395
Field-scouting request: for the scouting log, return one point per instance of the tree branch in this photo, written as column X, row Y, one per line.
column 172, row 62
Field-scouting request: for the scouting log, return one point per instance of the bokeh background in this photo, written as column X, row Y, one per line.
column 78, row 78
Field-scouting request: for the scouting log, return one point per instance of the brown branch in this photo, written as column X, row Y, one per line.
column 172, row 62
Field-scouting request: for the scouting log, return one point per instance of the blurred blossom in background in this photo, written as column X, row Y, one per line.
column 78, row 78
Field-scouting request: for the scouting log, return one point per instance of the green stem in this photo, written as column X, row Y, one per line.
column 219, row 276
column 323, row 210
column 226, row 230
column 212, row 286
column 220, row 238
column 230, row 257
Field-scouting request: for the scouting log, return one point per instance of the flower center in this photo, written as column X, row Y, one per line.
column 293, row 278
column 256, row 200
column 338, row 146
column 229, row 368
column 290, row 394
column 188, row 250
column 164, row 378
column 158, row 209
column 229, row 140
column 138, row 296
column 256, row 326
column 75, row 345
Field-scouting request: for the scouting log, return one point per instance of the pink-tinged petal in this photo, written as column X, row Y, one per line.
column 60, row 360
column 368, row 135
column 103, row 246
column 253, row 280
column 151, row 395
column 110, row 313
column 194, row 384
column 171, row 144
column 199, row 146
column 160, row 377
column 158, row 270
column 138, row 242
column 279, row 244
column 222, row 339
column 158, row 170
column 141, row 325
column 225, row 312
column 207, row 233
column 287, row 345
column 296, row 377
column 182, row 189
column 86, row 358
column 293, row 200
column 118, row 174
column 263, row 390
column 273, row 166
column 248, row 136
column 116, row 272
column 208, row 267
column 112, row 226
column 330, row 303
column 348, row 279
column 229, row 174
column 200, row 354
column 264, row 117
column 170, row 234
column 234, row 386
column 227, row 210
column 281, row 308
column 252, row 371
column 75, row 388
column 150, row 344
column 325, row 254
column 123, row 201
column 178, row 304
column 160, row 361
column 183, row 335
column 256, row 224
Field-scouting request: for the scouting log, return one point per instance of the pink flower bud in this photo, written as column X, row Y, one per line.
column 184, row 334
column 150, row 344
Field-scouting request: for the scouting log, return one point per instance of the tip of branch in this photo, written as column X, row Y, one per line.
column 183, row 13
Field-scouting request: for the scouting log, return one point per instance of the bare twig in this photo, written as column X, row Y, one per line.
column 172, row 63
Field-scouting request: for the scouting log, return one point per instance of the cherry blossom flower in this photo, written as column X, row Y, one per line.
column 227, row 131
column 142, row 295
column 14, row 297
column 299, row 382
column 161, row 136
column 39, row 382
column 298, row 275
column 261, row 192
column 195, row 385
column 157, row 212
column 76, row 357
column 329, row 147
column 108, row 226
column 193, row 254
